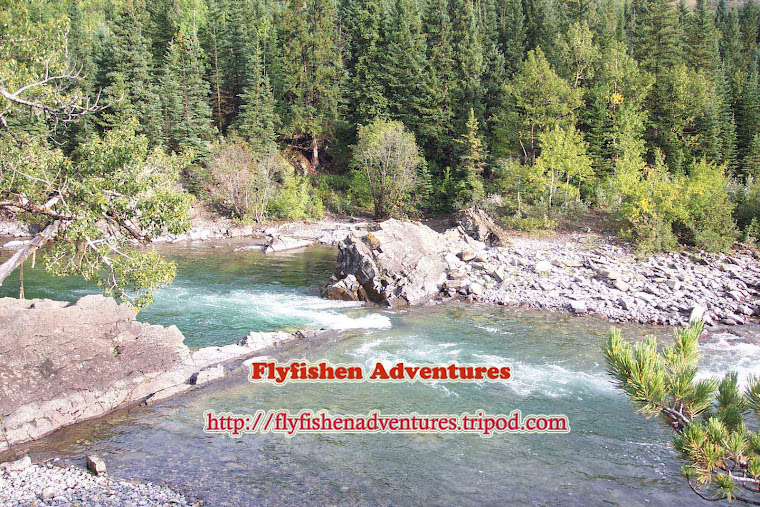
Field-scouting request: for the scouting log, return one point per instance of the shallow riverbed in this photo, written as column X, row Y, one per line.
column 612, row 455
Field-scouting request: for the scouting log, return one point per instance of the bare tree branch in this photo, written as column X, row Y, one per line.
column 25, row 251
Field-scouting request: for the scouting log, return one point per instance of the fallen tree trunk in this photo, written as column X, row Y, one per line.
column 25, row 251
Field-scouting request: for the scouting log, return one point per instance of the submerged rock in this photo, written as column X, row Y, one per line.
column 284, row 243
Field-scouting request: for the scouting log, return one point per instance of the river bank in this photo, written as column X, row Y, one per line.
column 585, row 275
column 582, row 273
column 48, row 484
column 556, row 358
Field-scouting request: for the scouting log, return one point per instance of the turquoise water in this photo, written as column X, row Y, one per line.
column 221, row 294
column 611, row 456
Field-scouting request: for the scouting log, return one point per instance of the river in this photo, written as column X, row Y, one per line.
column 611, row 455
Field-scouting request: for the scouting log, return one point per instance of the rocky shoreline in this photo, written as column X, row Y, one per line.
column 580, row 273
column 610, row 281
column 37, row 485
column 63, row 363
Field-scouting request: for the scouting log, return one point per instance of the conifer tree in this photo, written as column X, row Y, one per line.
column 404, row 64
column 184, row 94
column 308, row 74
column 702, row 39
column 494, row 71
column 258, row 121
column 749, row 25
column 748, row 112
column 80, row 47
column 366, row 92
column 129, row 75
column 731, row 44
column 752, row 160
column 468, row 55
column 437, row 127
column 472, row 161
column 512, row 34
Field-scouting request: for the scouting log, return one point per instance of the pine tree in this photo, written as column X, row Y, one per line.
column 81, row 50
column 494, row 72
column 308, row 74
column 468, row 55
column 130, row 71
column 748, row 113
column 184, row 94
column 258, row 121
column 731, row 44
column 436, row 128
column 366, row 92
column 702, row 39
column 542, row 25
column 657, row 45
column 752, row 160
column 512, row 34
column 404, row 64
column 727, row 121
column 233, row 51
column 749, row 25
column 472, row 161
column 215, row 28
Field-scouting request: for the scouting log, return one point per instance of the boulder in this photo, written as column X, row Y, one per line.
column 16, row 466
column 284, row 243
column 63, row 363
column 476, row 289
column 467, row 254
column 399, row 263
column 96, row 465
column 345, row 290
column 578, row 307
column 697, row 313
column 477, row 224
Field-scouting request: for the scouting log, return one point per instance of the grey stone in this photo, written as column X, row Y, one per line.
column 17, row 465
column 578, row 307
column 498, row 275
column 399, row 263
column 467, row 254
column 96, row 465
column 285, row 243
column 208, row 374
column 476, row 289
column 477, row 224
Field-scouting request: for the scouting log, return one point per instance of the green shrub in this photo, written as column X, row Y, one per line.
column 709, row 209
column 388, row 155
column 335, row 192
column 297, row 199
column 664, row 209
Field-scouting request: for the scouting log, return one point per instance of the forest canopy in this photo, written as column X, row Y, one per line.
column 647, row 109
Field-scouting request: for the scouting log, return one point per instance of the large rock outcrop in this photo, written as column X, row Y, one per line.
column 397, row 264
column 62, row 363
